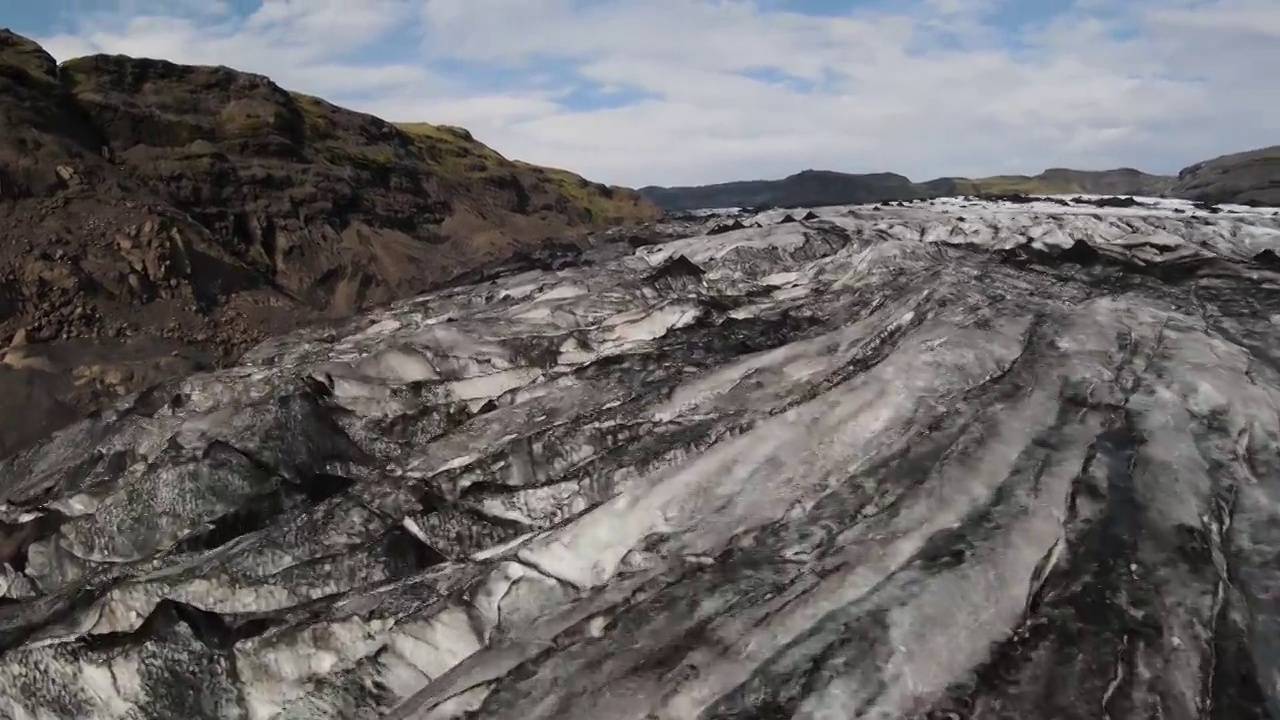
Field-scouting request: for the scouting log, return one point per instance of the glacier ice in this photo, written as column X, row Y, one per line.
column 949, row 459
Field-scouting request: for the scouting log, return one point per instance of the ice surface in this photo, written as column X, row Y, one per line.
column 950, row 459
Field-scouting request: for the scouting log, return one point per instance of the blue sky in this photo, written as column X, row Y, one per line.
column 695, row 91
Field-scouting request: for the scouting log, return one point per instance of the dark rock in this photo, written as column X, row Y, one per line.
column 722, row 228
column 1015, row 198
column 679, row 267
column 1268, row 258
column 1109, row 201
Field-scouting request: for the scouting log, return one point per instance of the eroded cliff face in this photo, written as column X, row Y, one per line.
column 952, row 460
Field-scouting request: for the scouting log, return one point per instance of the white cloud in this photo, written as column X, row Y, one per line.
column 730, row 89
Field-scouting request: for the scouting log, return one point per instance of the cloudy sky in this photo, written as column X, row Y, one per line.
column 671, row 92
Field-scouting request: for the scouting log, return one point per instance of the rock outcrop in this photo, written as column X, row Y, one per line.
column 1247, row 178
column 954, row 460
column 148, row 208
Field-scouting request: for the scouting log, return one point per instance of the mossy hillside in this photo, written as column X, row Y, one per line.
column 165, row 114
column 165, row 105
column 20, row 55
column 449, row 149
column 380, row 145
column 458, row 151
column 600, row 200
column 330, row 142
column 455, row 149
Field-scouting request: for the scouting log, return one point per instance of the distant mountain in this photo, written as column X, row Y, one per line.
column 1056, row 181
column 1248, row 178
column 811, row 187
column 825, row 187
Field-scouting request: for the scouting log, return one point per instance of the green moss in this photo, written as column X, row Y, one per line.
column 83, row 78
column 455, row 150
column 315, row 115
column 440, row 133
column 22, row 54
column 604, row 203
column 460, row 155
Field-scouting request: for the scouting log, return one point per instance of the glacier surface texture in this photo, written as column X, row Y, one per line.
column 951, row 460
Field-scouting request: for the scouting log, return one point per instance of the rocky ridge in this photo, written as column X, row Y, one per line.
column 957, row 459
column 159, row 218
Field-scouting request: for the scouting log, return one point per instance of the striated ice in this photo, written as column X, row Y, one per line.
column 950, row 459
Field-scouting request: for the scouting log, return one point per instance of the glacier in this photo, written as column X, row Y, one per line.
column 950, row 459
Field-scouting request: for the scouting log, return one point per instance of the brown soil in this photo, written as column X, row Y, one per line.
column 159, row 218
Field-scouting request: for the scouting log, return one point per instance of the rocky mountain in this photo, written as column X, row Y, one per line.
column 824, row 187
column 957, row 459
column 158, row 218
column 1246, row 178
